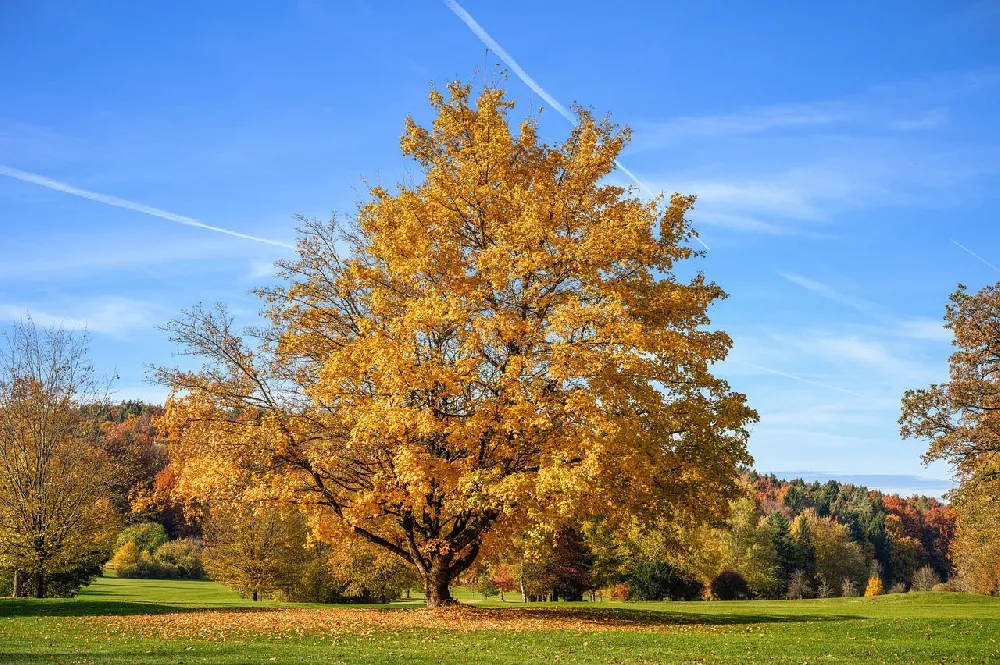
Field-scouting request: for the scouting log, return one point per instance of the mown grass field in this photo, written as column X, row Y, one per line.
column 149, row 621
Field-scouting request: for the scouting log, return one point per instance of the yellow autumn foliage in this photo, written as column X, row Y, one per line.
column 503, row 341
column 875, row 587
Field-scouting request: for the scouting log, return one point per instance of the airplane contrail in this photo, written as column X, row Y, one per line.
column 49, row 183
column 509, row 60
column 494, row 46
column 975, row 255
column 799, row 378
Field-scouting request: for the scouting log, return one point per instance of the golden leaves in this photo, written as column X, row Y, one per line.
column 504, row 338
column 229, row 624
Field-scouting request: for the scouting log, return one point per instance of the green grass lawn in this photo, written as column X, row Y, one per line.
column 152, row 621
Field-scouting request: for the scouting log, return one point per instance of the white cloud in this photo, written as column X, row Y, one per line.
column 827, row 291
column 925, row 329
column 260, row 269
column 112, row 316
column 918, row 328
column 736, row 222
column 750, row 121
column 874, row 354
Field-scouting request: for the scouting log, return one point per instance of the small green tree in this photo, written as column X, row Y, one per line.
column 146, row 536
column 256, row 550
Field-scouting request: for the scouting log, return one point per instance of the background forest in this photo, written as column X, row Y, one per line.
column 784, row 538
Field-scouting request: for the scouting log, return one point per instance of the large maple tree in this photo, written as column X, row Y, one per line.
column 504, row 339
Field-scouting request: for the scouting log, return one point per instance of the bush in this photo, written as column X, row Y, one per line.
column 655, row 580
column 730, row 585
column 954, row 584
column 848, row 589
column 146, row 536
column 898, row 587
column 925, row 579
column 126, row 558
column 183, row 556
column 173, row 560
column 619, row 591
column 874, row 587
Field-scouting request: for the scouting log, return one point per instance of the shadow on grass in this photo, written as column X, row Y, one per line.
column 69, row 607
column 611, row 617
column 640, row 617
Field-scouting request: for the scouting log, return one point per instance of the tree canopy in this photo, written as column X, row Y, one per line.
column 961, row 421
column 55, row 517
column 503, row 340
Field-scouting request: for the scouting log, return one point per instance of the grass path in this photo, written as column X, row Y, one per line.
column 151, row 621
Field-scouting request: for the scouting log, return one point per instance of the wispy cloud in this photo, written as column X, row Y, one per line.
column 112, row 316
column 827, row 291
column 931, row 330
column 260, row 269
column 926, row 120
column 802, row 199
column 914, row 328
column 509, row 60
column 789, row 169
column 65, row 188
column 751, row 121
column 800, row 379
column 892, row 108
column 737, row 222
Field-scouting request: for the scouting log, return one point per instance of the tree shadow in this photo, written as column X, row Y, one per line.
column 69, row 607
column 612, row 617
column 617, row 616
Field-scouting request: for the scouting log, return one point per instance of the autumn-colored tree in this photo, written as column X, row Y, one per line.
column 805, row 552
column 751, row 550
column 906, row 553
column 837, row 556
column 54, row 514
column 503, row 339
column 256, row 550
column 961, row 421
column 976, row 548
column 137, row 454
column 874, row 587
column 504, row 578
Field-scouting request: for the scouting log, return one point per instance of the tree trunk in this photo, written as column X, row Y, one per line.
column 524, row 593
column 17, row 584
column 436, row 580
column 39, row 585
column 253, row 595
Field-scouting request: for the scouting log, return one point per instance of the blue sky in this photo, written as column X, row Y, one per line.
column 839, row 151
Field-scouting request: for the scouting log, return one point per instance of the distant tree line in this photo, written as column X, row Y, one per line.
column 782, row 539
